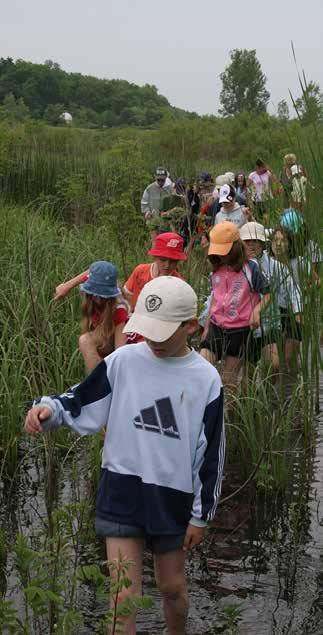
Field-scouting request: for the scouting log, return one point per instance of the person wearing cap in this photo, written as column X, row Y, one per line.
column 266, row 340
column 230, row 209
column 154, row 194
column 239, row 293
column 167, row 252
column 164, row 452
column 104, row 314
column 175, row 214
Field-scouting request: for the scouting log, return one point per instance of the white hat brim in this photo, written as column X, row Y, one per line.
column 151, row 328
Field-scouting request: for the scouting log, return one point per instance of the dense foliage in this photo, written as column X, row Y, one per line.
column 45, row 91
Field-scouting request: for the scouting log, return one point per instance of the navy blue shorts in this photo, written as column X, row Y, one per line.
column 224, row 342
column 157, row 544
column 256, row 344
column 291, row 329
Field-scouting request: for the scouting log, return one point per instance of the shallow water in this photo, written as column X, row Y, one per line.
column 263, row 554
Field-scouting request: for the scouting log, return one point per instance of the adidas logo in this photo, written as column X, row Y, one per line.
column 158, row 418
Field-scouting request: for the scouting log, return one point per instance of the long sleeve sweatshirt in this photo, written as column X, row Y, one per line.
column 164, row 449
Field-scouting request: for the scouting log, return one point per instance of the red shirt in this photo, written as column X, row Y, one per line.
column 139, row 277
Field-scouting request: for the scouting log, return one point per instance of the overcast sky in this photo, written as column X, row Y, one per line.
column 181, row 46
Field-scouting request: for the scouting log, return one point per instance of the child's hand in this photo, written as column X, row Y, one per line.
column 34, row 419
column 194, row 536
column 254, row 321
column 61, row 291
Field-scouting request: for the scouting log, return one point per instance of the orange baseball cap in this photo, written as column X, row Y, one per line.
column 222, row 237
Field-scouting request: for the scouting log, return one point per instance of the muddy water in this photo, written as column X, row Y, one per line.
column 263, row 554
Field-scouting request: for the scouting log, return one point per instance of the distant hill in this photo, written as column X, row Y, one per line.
column 44, row 91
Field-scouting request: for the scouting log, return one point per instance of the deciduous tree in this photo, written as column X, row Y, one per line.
column 243, row 85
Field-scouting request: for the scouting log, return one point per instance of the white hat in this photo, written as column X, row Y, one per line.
column 252, row 231
column 163, row 304
column 220, row 180
column 229, row 177
column 226, row 194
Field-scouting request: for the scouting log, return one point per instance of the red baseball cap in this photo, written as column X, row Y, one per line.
column 168, row 245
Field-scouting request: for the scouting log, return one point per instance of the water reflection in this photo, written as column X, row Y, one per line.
column 263, row 554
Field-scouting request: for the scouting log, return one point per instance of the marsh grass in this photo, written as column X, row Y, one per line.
column 81, row 199
column 81, row 193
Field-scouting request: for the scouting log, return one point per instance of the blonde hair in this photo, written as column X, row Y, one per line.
column 106, row 326
column 289, row 159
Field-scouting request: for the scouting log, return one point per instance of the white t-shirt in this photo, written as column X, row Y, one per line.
column 164, row 450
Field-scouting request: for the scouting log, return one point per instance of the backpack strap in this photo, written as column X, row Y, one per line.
column 248, row 274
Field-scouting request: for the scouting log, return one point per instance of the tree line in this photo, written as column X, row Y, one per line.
column 45, row 91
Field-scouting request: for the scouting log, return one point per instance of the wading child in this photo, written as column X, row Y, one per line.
column 236, row 303
column 104, row 314
column 163, row 455
column 266, row 340
column 231, row 210
column 290, row 246
column 167, row 252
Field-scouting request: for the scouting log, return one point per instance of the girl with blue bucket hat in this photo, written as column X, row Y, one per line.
column 104, row 314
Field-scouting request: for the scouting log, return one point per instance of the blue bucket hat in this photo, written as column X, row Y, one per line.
column 292, row 220
column 102, row 280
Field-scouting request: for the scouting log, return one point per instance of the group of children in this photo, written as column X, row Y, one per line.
column 162, row 402
column 254, row 308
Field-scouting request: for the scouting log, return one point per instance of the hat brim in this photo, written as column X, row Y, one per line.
column 114, row 294
column 165, row 253
column 151, row 328
column 224, row 200
column 245, row 236
column 219, row 249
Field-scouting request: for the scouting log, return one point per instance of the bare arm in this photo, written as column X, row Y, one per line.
column 89, row 349
column 65, row 287
column 254, row 321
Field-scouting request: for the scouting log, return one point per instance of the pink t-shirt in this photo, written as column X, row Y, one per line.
column 261, row 185
column 235, row 294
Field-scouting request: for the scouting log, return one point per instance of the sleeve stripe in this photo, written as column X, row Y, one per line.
column 218, row 484
column 95, row 387
column 211, row 469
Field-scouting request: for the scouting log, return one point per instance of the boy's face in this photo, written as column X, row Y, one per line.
column 228, row 205
column 254, row 248
column 176, row 345
column 165, row 266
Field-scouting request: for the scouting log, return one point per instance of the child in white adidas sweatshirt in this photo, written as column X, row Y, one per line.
column 163, row 456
